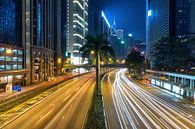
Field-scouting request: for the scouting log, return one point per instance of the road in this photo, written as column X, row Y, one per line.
column 64, row 109
column 107, row 91
column 138, row 108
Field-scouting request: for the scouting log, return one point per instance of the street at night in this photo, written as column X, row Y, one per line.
column 65, row 108
column 97, row 64
column 138, row 108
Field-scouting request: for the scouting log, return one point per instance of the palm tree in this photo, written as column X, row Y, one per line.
column 99, row 45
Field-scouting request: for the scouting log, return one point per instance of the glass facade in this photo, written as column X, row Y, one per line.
column 77, row 26
column 182, row 18
column 11, row 58
column 167, row 18
column 39, row 23
column 7, row 21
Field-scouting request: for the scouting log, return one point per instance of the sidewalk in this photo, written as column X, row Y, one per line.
column 6, row 96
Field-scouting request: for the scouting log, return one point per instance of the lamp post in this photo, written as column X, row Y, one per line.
column 92, row 52
column 59, row 61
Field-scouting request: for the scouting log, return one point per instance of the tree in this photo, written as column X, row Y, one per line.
column 107, row 53
column 99, row 45
column 171, row 54
column 136, row 63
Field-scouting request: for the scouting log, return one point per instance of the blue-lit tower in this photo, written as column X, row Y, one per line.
column 168, row 18
column 11, row 46
column 7, row 21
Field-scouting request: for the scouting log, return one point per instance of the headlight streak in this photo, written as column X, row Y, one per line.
column 166, row 105
column 150, row 109
column 159, row 107
column 121, row 112
column 117, row 107
column 144, row 112
column 156, row 109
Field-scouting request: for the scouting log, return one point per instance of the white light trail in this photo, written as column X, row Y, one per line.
column 137, row 108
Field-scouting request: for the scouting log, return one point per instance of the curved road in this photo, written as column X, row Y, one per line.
column 139, row 109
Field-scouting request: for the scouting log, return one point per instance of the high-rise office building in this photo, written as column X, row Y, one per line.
column 77, row 28
column 12, row 69
column 168, row 18
column 42, row 39
column 95, row 8
column 59, row 35
column 32, row 40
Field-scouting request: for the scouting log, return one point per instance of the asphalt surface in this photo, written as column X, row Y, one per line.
column 107, row 90
column 64, row 109
column 138, row 108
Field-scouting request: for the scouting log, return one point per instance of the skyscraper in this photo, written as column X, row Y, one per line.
column 59, row 34
column 7, row 21
column 168, row 18
column 42, row 37
column 11, row 46
column 95, row 8
column 77, row 27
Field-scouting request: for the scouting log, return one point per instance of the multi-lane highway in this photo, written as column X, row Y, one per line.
column 64, row 109
column 135, row 107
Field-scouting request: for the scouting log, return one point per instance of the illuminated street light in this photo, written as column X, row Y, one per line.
column 59, row 60
column 110, row 59
column 92, row 52
column 8, row 51
column 102, row 63
column 123, row 61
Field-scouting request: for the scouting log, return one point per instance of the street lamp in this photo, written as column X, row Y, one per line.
column 59, row 60
column 110, row 59
column 92, row 52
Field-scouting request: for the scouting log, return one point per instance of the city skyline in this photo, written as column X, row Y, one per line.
column 97, row 64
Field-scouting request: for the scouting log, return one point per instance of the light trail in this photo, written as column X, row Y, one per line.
column 137, row 108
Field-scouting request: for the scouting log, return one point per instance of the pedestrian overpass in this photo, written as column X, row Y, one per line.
column 93, row 66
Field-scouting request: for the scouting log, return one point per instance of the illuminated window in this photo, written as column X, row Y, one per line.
column 2, row 67
column 2, row 49
column 20, row 67
column 2, row 58
column 15, row 67
column 14, row 59
column 20, row 52
column 8, row 58
column 8, row 67
column 15, row 51
column 20, row 59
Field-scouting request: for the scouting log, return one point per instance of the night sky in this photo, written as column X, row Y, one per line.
column 128, row 14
